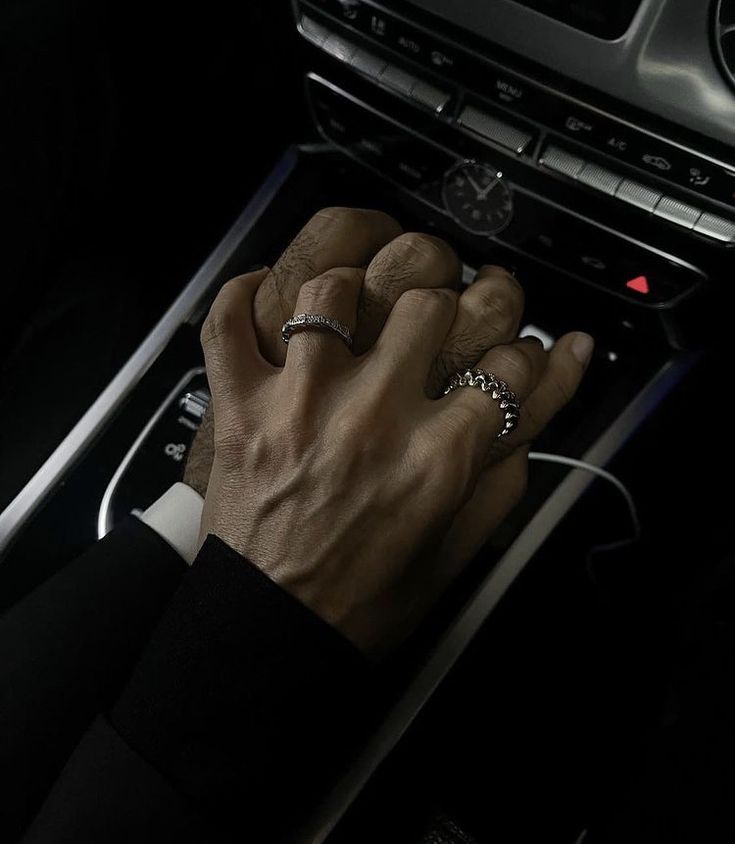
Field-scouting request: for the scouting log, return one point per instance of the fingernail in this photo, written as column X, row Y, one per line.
column 257, row 267
column 582, row 347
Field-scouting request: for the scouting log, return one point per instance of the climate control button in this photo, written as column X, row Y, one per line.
column 677, row 212
column 716, row 227
column 634, row 193
column 599, row 178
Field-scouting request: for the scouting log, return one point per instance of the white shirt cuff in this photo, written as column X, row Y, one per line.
column 176, row 517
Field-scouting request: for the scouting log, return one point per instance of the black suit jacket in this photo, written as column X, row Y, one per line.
column 240, row 708
column 145, row 702
column 65, row 653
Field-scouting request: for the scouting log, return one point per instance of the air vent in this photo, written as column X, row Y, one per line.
column 725, row 35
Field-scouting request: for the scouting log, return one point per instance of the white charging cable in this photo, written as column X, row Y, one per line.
column 560, row 459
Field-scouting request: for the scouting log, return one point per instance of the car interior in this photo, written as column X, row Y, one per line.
column 153, row 152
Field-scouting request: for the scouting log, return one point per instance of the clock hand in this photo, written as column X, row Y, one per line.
column 484, row 193
column 476, row 187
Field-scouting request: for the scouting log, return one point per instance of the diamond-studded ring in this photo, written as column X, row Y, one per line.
column 498, row 390
column 319, row 322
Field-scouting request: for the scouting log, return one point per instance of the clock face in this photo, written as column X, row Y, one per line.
column 477, row 198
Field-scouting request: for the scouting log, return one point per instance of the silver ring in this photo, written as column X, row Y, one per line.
column 498, row 390
column 307, row 322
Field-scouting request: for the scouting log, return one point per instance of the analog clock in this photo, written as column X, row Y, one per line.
column 478, row 198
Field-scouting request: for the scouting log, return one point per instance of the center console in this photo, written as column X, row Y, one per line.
column 590, row 146
column 586, row 145
column 536, row 165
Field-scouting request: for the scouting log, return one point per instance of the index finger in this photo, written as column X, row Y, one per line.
column 228, row 337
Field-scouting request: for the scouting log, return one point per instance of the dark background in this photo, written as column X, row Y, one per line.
column 132, row 136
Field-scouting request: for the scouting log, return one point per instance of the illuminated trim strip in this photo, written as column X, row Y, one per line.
column 104, row 525
column 35, row 492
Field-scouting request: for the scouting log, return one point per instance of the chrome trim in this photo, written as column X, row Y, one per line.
column 103, row 517
column 489, row 593
column 25, row 503
column 664, row 65
column 546, row 133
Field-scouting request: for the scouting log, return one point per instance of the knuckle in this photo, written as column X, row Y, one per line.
column 465, row 346
column 339, row 216
column 435, row 298
column 320, row 287
column 499, row 306
column 297, row 262
column 326, row 288
column 515, row 364
column 424, row 248
column 344, row 220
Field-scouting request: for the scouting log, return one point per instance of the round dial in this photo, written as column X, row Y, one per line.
column 477, row 198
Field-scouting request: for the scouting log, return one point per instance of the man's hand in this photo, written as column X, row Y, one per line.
column 488, row 313
column 337, row 237
column 341, row 475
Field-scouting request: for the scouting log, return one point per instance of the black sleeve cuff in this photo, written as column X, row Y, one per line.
column 244, row 695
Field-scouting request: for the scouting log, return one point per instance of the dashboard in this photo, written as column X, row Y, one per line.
column 595, row 139
column 662, row 62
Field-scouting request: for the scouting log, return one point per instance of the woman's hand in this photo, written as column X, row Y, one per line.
column 339, row 477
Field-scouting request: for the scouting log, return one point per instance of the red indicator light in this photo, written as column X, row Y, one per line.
column 639, row 284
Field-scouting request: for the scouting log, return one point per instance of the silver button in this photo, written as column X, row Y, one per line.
column 717, row 227
column 677, row 212
column 428, row 95
column 195, row 404
column 494, row 130
column 315, row 32
column 599, row 178
column 562, row 162
column 634, row 193
column 400, row 80
column 339, row 48
column 368, row 63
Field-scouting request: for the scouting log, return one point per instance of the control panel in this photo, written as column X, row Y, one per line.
column 513, row 111
column 488, row 200
column 508, row 159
